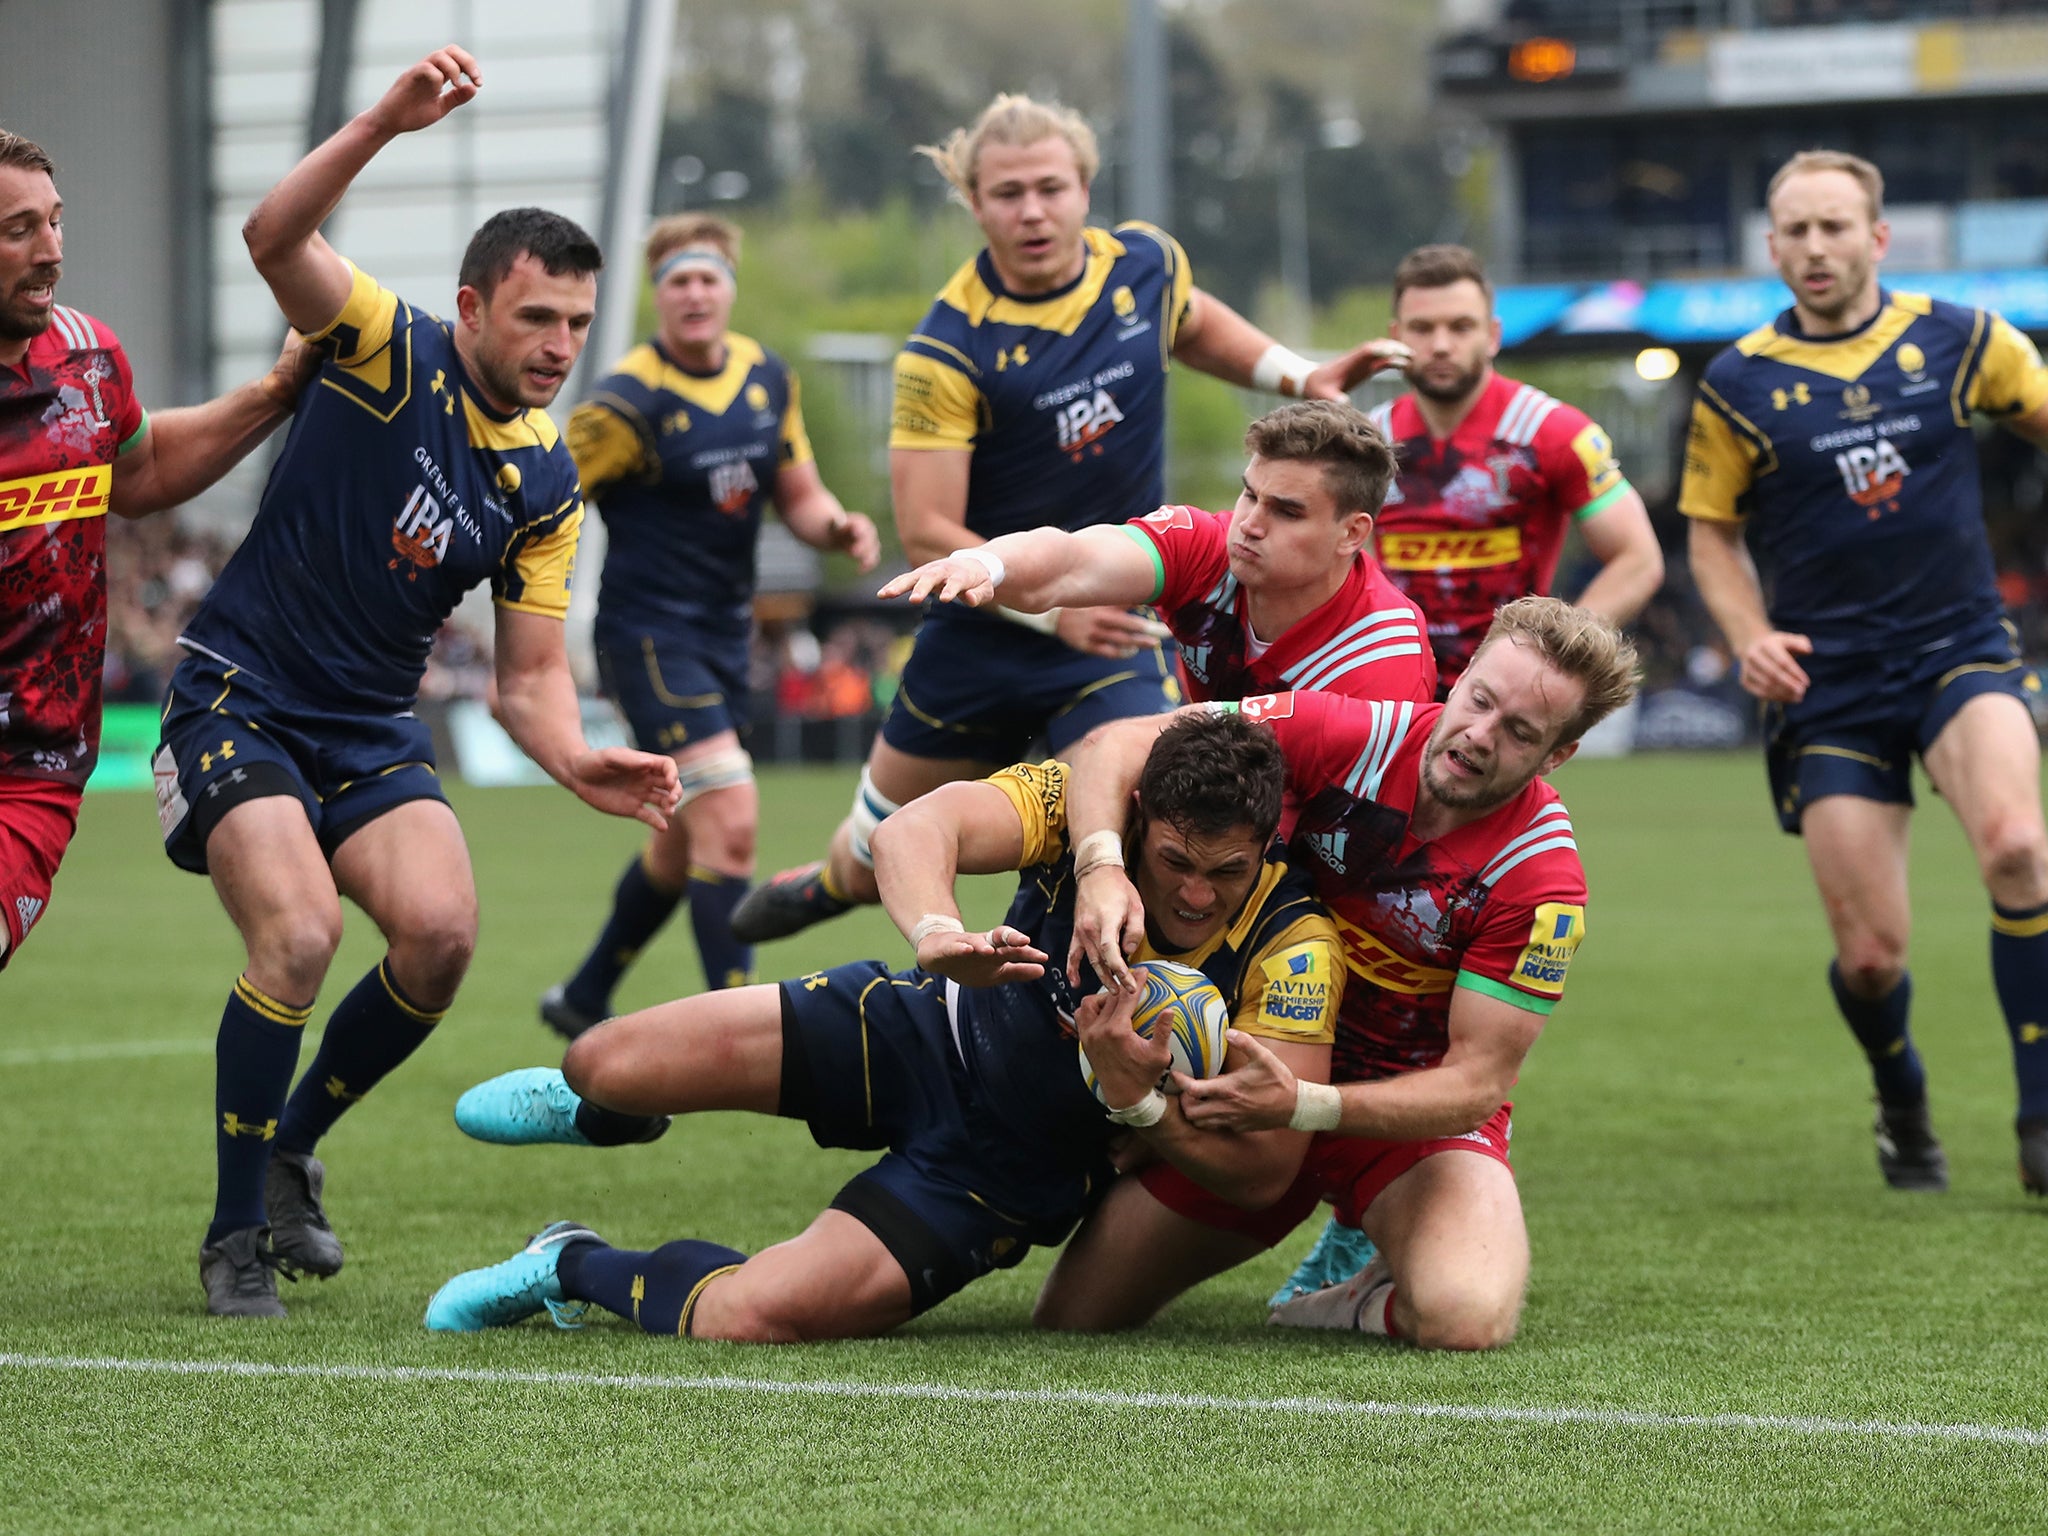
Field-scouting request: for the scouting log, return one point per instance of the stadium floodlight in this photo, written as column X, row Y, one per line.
column 1656, row 364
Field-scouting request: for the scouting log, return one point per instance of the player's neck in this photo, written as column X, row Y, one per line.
column 1852, row 318
column 696, row 356
column 1443, row 417
column 1272, row 613
column 14, row 353
column 1037, row 287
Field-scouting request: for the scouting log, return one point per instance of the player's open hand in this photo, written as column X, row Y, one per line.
column 1116, row 633
column 854, row 534
column 1338, row 377
column 1109, row 924
column 444, row 80
column 622, row 782
column 1127, row 1064
column 982, row 959
column 1254, row 1093
column 1769, row 670
column 950, row 580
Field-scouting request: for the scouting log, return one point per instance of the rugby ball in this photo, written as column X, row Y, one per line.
column 1184, row 1001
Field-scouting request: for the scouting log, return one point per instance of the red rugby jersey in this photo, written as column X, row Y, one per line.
column 1498, row 906
column 1478, row 519
column 67, row 410
column 1365, row 642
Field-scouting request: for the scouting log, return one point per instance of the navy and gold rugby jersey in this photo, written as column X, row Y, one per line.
column 681, row 465
column 1061, row 396
column 398, row 490
column 1851, row 457
column 1278, row 963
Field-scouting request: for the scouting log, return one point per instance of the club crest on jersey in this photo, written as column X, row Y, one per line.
column 733, row 486
column 421, row 533
column 1911, row 360
column 1267, row 706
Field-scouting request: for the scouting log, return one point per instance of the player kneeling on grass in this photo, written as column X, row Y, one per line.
column 962, row 1067
column 1450, row 867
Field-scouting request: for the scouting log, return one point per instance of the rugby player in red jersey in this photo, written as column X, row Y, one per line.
column 1450, row 868
column 1493, row 471
column 74, row 444
column 1279, row 593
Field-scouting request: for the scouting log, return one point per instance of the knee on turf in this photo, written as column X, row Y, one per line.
column 1464, row 1315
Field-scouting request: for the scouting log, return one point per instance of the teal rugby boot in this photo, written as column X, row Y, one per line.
column 1339, row 1253
column 499, row 1295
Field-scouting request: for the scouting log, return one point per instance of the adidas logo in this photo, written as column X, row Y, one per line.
column 28, row 909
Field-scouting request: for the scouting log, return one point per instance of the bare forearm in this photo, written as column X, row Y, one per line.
column 1249, row 1169
column 815, row 518
column 1418, row 1106
column 292, row 212
column 1103, row 771
column 191, row 447
column 540, row 711
column 1050, row 568
column 1728, row 585
column 916, row 860
column 1624, row 585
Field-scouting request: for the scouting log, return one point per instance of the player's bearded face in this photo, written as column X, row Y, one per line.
column 1031, row 204
column 1191, row 885
column 1825, row 243
column 31, row 252
column 1453, row 335
column 1500, row 728
column 528, row 334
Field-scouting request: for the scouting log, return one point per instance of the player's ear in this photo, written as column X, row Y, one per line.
column 1357, row 533
column 1558, row 758
column 469, row 305
column 1493, row 337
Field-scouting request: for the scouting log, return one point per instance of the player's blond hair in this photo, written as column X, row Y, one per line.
column 681, row 230
column 25, row 154
column 1579, row 643
column 1013, row 121
column 1867, row 176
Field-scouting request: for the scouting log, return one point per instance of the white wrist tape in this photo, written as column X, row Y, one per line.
column 1149, row 1110
column 1047, row 623
column 1317, row 1107
column 1099, row 848
column 1280, row 371
column 987, row 559
column 934, row 922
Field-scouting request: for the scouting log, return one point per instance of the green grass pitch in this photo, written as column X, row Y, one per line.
column 1727, row 1308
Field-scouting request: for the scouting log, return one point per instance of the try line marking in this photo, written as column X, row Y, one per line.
column 1318, row 1407
column 107, row 1050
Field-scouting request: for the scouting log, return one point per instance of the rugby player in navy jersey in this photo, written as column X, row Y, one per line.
column 1032, row 394
column 964, row 1067
column 1838, row 437
column 292, row 769
column 682, row 447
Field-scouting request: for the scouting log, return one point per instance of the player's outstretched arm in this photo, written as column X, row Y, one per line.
column 1728, row 584
column 1631, row 570
column 1037, row 570
column 809, row 510
column 1218, row 340
column 309, row 280
column 538, row 707
column 188, row 448
column 969, row 828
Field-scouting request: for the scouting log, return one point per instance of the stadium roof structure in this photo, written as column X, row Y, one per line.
column 1590, row 317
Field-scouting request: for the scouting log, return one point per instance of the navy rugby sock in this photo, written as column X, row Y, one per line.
column 727, row 962
column 2019, row 970
column 1879, row 1025
column 656, row 1290
column 639, row 908
column 370, row 1032
column 253, row 1057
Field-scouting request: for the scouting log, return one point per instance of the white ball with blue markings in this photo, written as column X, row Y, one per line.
column 1192, row 1008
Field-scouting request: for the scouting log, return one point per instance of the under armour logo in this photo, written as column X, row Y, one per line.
column 234, row 1125
column 814, row 981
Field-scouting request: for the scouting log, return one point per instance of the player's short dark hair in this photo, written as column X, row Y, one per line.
column 1211, row 773
column 1439, row 266
column 25, row 154
column 558, row 244
column 1358, row 461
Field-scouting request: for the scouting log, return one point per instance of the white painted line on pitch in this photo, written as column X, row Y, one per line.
column 106, row 1050
column 1321, row 1407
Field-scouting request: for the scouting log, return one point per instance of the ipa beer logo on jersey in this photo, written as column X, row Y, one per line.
column 1553, row 936
column 421, row 534
column 58, row 497
column 1086, row 421
column 733, row 486
column 1873, row 474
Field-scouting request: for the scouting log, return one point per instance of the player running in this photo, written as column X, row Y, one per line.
column 1493, row 472
column 293, row 769
column 1839, row 435
column 1033, row 394
column 1281, row 592
column 1451, row 870
column 683, row 446
column 75, row 444
column 964, row 1068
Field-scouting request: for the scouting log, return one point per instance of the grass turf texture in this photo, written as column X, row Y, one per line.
column 1710, row 1237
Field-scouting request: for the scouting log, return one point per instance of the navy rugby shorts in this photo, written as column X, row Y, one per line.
column 676, row 683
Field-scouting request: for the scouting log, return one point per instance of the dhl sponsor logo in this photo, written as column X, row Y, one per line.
column 57, row 497
column 1423, row 550
column 1384, row 967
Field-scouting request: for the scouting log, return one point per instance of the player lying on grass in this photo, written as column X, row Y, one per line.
column 1450, row 868
column 1280, row 592
column 963, row 1067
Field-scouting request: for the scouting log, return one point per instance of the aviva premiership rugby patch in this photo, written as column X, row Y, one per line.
column 1296, row 1000
column 1552, row 938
